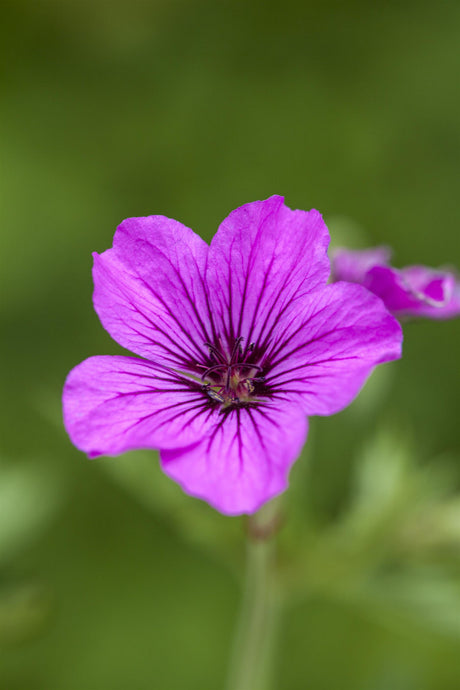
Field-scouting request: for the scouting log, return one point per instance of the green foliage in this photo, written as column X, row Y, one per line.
column 28, row 499
column 394, row 549
column 193, row 520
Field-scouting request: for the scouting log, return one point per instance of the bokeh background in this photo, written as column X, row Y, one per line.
column 110, row 577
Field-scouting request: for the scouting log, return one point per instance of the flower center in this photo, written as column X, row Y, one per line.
column 231, row 377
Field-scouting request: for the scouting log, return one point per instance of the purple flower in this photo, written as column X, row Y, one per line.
column 240, row 341
column 410, row 291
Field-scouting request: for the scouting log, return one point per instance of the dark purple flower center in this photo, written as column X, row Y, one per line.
column 233, row 376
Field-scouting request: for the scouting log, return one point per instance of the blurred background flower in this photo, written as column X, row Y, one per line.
column 190, row 109
column 414, row 291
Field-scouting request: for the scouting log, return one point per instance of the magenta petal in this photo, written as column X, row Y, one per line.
column 115, row 404
column 149, row 290
column 246, row 459
column 435, row 288
column 416, row 291
column 263, row 257
column 326, row 353
column 352, row 266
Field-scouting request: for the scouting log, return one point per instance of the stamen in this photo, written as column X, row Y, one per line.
column 236, row 348
column 213, row 350
column 249, row 349
column 227, row 384
column 229, row 367
column 210, row 370
column 247, row 365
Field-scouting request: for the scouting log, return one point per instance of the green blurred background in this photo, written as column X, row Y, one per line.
column 110, row 577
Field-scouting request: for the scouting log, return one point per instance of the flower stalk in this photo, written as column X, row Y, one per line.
column 253, row 654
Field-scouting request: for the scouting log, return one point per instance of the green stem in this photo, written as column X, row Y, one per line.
column 252, row 661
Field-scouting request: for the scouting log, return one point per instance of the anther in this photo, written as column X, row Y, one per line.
column 249, row 385
column 215, row 396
